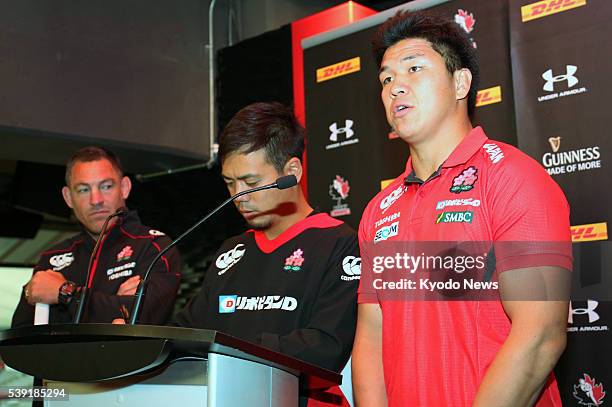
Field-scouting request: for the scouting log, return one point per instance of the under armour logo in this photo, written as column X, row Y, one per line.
column 347, row 129
column 570, row 70
column 589, row 310
column 229, row 258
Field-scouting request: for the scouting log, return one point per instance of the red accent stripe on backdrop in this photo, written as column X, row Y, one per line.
column 335, row 17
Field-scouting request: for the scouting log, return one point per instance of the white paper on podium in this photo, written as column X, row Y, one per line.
column 41, row 314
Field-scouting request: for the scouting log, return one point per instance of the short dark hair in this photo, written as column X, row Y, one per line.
column 92, row 153
column 445, row 36
column 268, row 125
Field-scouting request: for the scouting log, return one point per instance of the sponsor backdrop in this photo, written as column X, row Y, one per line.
column 346, row 123
column 544, row 85
column 561, row 85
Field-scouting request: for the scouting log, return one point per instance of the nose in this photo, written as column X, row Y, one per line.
column 398, row 88
column 243, row 198
column 95, row 198
column 239, row 188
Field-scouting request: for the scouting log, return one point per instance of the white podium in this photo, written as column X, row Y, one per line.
column 125, row 365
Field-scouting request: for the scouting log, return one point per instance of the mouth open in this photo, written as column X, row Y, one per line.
column 401, row 109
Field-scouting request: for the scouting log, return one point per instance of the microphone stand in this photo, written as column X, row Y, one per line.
column 92, row 258
column 281, row 183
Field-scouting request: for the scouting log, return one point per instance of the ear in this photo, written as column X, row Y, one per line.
column 463, row 81
column 293, row 167
column 126, row 187
column 67, row 197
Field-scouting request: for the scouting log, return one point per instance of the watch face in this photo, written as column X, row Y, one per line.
column 66, row 292
column 67, row 288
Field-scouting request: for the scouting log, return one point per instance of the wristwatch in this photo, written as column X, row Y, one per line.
column 66, row 292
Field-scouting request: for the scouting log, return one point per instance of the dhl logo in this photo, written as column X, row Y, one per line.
column 590, row 232
column 384, row 183
column 547, row 7
column 488, row 96
column 341, row 68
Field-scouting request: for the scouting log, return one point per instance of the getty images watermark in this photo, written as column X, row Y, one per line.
column 434, row 271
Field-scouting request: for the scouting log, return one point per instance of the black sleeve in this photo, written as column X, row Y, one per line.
column 24, row 313
column 327, row 339
column 160, row 292
column 194, row 313
column 162, row 289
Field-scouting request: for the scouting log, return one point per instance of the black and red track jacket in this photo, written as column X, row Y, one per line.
column 125, row 251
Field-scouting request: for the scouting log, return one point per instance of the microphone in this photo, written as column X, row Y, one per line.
column 285, row 182
column 122, row 211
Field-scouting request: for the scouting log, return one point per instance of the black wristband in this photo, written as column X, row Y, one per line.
column 66, row 292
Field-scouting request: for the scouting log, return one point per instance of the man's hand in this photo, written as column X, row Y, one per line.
column 129, row 286
column 44, row 287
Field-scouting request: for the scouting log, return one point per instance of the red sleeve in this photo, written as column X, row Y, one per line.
column 529, row 216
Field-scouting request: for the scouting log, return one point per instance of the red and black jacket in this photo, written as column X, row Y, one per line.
column 125, row 251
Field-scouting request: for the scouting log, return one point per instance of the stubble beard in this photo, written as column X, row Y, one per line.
column 259, row 225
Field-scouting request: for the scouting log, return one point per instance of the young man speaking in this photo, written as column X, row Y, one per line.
column 435, row 349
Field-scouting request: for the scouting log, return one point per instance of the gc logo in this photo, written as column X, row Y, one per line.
column 229, row 258
column 392, row 197
column 352, row 266
column 61, row 261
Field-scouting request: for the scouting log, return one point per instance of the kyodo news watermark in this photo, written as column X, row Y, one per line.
column 469, row 271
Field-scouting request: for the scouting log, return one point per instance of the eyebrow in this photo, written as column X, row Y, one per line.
column 79, row 184
column 242, row 177
column 404, row 59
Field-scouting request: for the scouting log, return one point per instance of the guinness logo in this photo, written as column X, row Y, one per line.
column 555, row 143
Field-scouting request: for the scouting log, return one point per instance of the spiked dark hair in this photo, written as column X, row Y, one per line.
column 445, row 36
